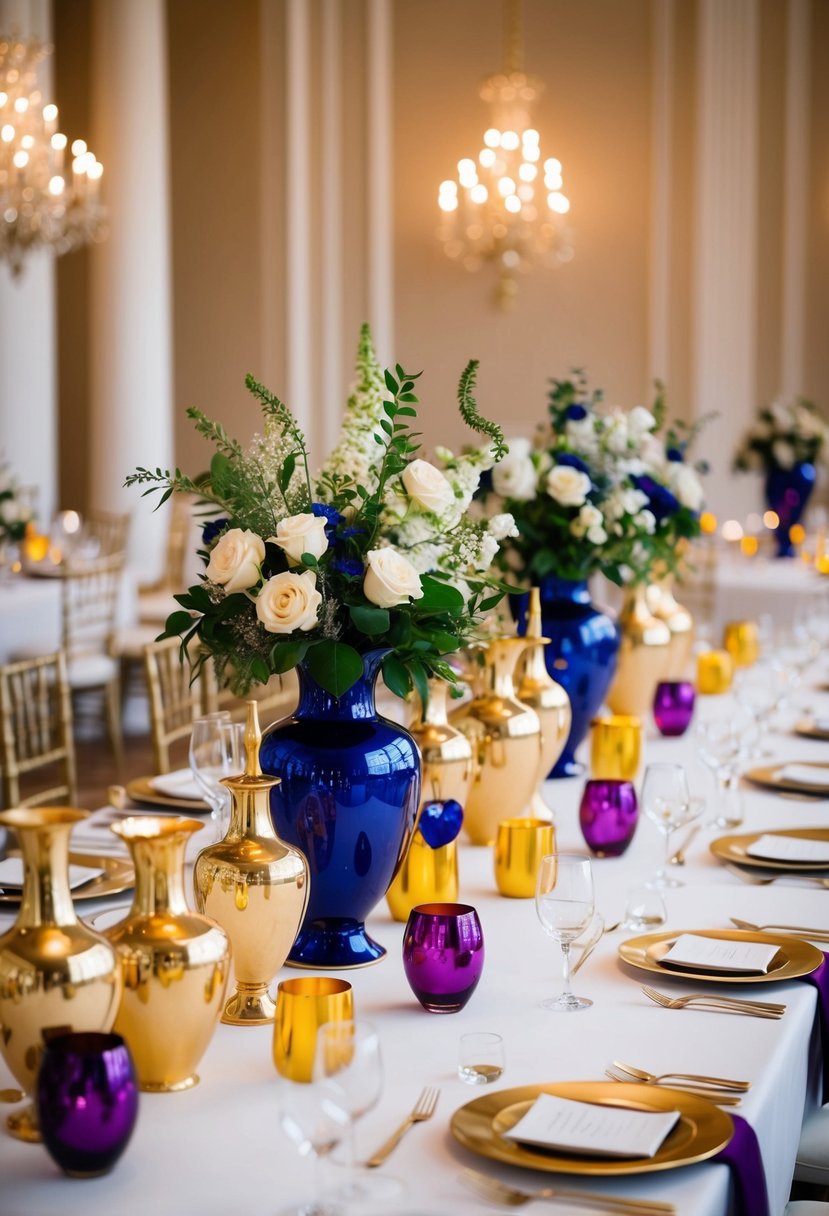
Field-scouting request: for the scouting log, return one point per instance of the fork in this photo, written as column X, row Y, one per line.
column 498, row 1192
column 695, row 1078
column 423, row 1109
column 818, row 935
column 722, row 1004
column 713, row 1095
column 759, row 880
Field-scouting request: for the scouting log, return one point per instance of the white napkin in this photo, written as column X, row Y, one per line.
column 717, row 954
column 600, row 1131
column 803, row 774
column 178, row 784
column 11, row 874
column 821, row 724
column 789, row 848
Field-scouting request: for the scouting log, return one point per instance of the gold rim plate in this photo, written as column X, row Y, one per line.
column 118, row 876
column 143, row 790
column 794, row 958
column 807, row 728
column 765, row 776
column 734, row 849
column 702, row 1130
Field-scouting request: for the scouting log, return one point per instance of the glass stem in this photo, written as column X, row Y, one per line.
column 565, row 954
column 353, row 1186
column 317, row 1206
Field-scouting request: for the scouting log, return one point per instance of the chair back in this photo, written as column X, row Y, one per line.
column 175, row 699
column 276, row 699
column 36, row 729
column 90, row 605
column 108, row 532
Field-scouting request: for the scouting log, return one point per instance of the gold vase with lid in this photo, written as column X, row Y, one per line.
column 643, row 655
column 537, row 688
column 256, row 887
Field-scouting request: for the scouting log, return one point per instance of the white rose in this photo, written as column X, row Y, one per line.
column 427, row 486
column 647, row 521
column 390, row 579
column 640, row 420
column 590, row 516
column 616, row 433
column 596, row 535
column 685, row 484
column 489, row 547
column 235, row 560
column 298, row 534
column 501, row 526
column 515, row 477
column 633, row 501
column 289, row 601
column 567, row 485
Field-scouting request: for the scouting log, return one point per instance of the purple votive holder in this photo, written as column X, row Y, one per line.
column 87, row 1101
column 608, row 815
column 443, row 955
column 673, row 707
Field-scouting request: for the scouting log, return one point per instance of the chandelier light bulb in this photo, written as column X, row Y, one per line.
column 7, row 133
column 513, row 203
column 20, row 160
column 509, row 141
column 78, row 147
column 58, row 141
column 21, row 105
column 486, row 158
column 530, row 136
column 492, row 137
column 50, row 112
column 506, row 186
column 56, row 185
column 527, row 172
column 479, row 194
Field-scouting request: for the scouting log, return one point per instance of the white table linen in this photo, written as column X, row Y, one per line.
column 30, row 613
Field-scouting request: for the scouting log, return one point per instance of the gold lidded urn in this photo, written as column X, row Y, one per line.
column 537, row 688
column 506, row 740
column 663, row 605
column 429, row 871
column 56, row 974
column 643, row 655
column 255, row 885
column 174, row 962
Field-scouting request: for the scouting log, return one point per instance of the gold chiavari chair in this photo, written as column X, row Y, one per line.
column 36, row 729
column 175, row 698
column 107, row 532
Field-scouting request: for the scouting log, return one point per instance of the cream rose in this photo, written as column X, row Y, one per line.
column 390, row 579
column 289, row 601
column 298, row 534
column 515, row 476
column 235, row 560
column 686, row 486
column 427, row 486
column 567, row 485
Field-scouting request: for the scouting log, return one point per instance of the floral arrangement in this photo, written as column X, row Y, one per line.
column 786, row 433
column 597, row 490
column 375, row 552
column 15, row 513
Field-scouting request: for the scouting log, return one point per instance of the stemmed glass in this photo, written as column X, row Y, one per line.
column 755, row 691
column 315, row 1128
column 564, row 901
column 216, row 751
column 667, row 804
column 720, row 746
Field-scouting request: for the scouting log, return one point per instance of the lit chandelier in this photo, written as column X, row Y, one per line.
column 42, row 205
column 507, row 207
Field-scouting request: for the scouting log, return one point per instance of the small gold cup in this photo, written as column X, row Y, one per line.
column 616, row 747
column 742, row 641
column 715, row 670
column 302, row 1006
column 519, row 846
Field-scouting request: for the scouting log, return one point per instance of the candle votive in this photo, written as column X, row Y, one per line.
column 480, row 1057
column 616, row 747
column 673, row 707
column 608, row 815
column 742, row 641
column 715, row 672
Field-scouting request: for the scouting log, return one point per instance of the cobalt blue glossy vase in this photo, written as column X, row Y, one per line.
column 581, row 656
column 348, row 799
column 787, row 492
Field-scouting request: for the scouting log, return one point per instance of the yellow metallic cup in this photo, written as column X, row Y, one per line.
column 427, row 876
column 302, row 1006
column 616, row 748
column 519, row 846
column 742, row 641
column 715, row 671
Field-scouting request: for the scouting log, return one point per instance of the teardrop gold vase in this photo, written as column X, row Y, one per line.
column 537, row 688
column 643, row 656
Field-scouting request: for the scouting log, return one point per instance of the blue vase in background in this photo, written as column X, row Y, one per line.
column 581, row 656
column 348, row 799
column 787, row 492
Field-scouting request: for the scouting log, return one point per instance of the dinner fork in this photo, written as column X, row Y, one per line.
column 695, row 1078
column 818, row 935
column 723, row 1004
column 713, row 1095
column 762, row 880
column 498, row 1192
column 423, row 1109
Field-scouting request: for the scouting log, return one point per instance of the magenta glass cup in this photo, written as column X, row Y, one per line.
column 443, row 955
column 87, row 1101
column 673, row 707
column 608, row 815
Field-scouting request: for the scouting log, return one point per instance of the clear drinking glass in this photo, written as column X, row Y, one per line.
column 564, row 901
column 216, row 751
column 720, row 746
column 315, row 1128
column 667, row 803
column 480, row 1057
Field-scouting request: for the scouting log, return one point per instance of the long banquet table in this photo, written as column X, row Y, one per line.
column 220, row 1146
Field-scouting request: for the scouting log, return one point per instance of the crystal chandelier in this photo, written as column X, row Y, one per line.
column 507, row 207
column 48, row 198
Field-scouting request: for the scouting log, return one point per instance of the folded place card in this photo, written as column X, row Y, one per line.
column 11, row 874
column 600, row 1131
column 789, row 848
column 802, row 774
column 720, row 954
column 179, row 784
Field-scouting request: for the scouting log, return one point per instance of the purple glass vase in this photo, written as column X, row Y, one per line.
column 608, row 815
column 443, row 955
column 87, row 1101
column 673, row 707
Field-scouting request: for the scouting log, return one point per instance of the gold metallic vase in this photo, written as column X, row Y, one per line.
column 55, row 973
column 427, row 875
column 643, row 656
column 175, row 962
column 537, row 688
column 256, row 887
column 506, row 740
column 663, row 605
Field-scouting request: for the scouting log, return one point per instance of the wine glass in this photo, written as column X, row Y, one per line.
column 564, row 901
column 667, row 803
column 315, row 1128
column 720, row 747
column 755, row 690
column 216, row 751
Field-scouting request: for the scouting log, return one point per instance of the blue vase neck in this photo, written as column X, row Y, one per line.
column 554, row 588
column 357, row 703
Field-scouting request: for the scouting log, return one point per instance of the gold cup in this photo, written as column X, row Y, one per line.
column 519, row 846
column 616, row 747
column 715, row 671
column 302, row 1006
column 742, row 641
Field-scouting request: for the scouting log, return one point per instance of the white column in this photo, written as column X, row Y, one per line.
column 380, row 176
column 298, row 215
column 131, row 339
column 28, row 337
column 661, row 166
column 795, row 196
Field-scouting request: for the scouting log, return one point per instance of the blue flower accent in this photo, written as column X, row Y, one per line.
column 573, row 462
column 348, row 533
column 660, row 500
column 212, row 529
column 440, row 822
column 677, row 455
column 348, row 566
column 575, row 413
column 330, row 514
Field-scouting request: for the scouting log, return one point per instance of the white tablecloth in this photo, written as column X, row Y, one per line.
column 30, row 614
column 219, row 1146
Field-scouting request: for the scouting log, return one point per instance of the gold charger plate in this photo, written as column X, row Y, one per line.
column 794, row 956
column 142, row 790
column 118, row 876
column 734, row 849
column 702, row 1130
column 765, row 776
column 807, row 728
